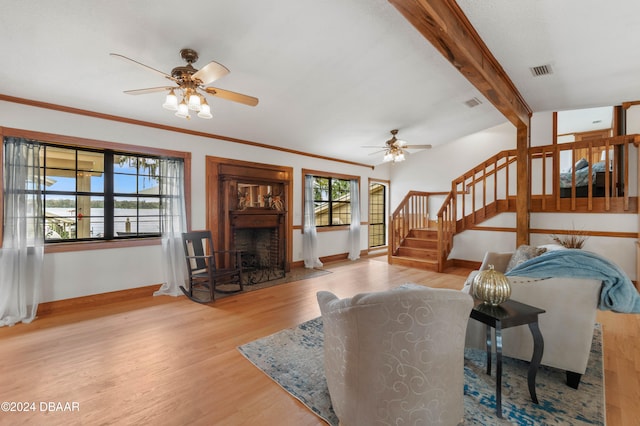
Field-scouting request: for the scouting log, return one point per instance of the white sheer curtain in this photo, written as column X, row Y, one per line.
column 22, row 252
column 174, row 223
column 354, row 228
column 310, row 235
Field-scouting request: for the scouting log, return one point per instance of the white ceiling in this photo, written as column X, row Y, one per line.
column 331, row 75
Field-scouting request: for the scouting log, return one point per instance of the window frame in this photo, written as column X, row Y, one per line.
column 94, row 144
column 323, row 174
column 386, row 189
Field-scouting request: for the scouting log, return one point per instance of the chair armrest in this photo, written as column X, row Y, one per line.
column 498, row 260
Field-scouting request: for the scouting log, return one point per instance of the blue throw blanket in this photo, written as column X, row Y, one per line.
column 618, row 293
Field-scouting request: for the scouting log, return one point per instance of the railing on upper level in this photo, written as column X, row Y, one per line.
column 601, row 185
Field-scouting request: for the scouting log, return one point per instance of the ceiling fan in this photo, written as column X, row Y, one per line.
column 191, row 85
column 395, row 149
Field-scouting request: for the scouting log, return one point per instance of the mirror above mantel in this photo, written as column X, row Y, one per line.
column 260, row 196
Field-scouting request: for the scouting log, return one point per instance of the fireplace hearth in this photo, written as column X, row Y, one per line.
column 260, row 254
column 258, row 234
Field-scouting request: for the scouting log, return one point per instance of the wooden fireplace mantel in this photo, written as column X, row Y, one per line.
column 224, row 179
column 258, row 218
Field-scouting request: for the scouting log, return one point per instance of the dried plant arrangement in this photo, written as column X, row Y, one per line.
column 573, row 239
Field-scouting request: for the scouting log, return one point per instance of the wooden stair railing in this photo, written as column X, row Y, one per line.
column 446, row 229
column 478, row 192
column 411, row 213
column 490, row 188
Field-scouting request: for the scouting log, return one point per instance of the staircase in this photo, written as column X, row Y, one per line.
column 489, row 189
column 419, row 249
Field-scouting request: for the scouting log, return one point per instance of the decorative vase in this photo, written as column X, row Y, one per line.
column 491, row 286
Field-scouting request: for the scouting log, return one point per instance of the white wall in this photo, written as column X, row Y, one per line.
column 77, row 274
column 433, row 170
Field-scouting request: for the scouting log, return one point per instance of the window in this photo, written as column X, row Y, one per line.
column 100, row 194
column 91, row 194
column 377, row 214
column 332, row 199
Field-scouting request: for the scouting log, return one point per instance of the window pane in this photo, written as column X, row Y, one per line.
column 341, row 213
column 322, row 214
column 124, row 184
column 148, row 185
column 149, row 225
column 90, row 181
column 96, row 218
column 127, row 164
column 340, row 189
column 60, row 172
column 149, row 215
column 320, row 189
column 60, row 217
column 149, row 167
column 125, row 213
column 90, row 161
column 83, row 215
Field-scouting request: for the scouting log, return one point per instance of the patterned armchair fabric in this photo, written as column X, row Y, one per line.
column 397, row 356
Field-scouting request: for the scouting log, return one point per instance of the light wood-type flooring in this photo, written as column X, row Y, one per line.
column 169, row 361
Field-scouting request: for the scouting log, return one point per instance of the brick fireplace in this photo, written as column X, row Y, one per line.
column 258, row 234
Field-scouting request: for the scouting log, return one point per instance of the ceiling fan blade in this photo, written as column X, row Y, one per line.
column 210, row 72
column 232, row 96
column 165, row 75
column 149, row 90
column 378, row 152
column 417, row 146
column 373, row 146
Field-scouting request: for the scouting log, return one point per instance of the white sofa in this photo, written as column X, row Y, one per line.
column 396, row 356
column 566, row 326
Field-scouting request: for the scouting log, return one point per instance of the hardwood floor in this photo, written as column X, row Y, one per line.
column 169, row 361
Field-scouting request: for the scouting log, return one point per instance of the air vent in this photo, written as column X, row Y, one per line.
column 541, row 70
column 473, row 102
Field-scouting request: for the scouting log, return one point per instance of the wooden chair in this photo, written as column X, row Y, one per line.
column 201, row 266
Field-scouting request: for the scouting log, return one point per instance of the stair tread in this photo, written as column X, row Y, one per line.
column 414, row 259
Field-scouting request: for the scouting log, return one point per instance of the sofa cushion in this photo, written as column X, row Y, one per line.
column 522, row 254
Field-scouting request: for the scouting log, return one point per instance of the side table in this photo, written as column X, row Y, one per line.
column 510, row 314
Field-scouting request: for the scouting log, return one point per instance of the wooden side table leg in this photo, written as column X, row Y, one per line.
column 499, row 370
column 538, row 350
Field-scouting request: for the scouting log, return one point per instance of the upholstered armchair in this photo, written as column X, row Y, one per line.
column 567, row 325
column 397, row 356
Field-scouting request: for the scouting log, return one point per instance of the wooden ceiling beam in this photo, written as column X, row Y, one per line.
column 443, row 23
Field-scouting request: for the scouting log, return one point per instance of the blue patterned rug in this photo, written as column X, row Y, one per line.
column 293, row 358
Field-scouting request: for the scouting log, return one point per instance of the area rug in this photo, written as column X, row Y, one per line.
column 293, row 358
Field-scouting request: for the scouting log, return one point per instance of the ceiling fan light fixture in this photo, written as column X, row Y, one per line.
column 183, row 110
column 171, row 101
column 189, row 82
column 205, row 110
column 399, row 157
column 194, row 101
